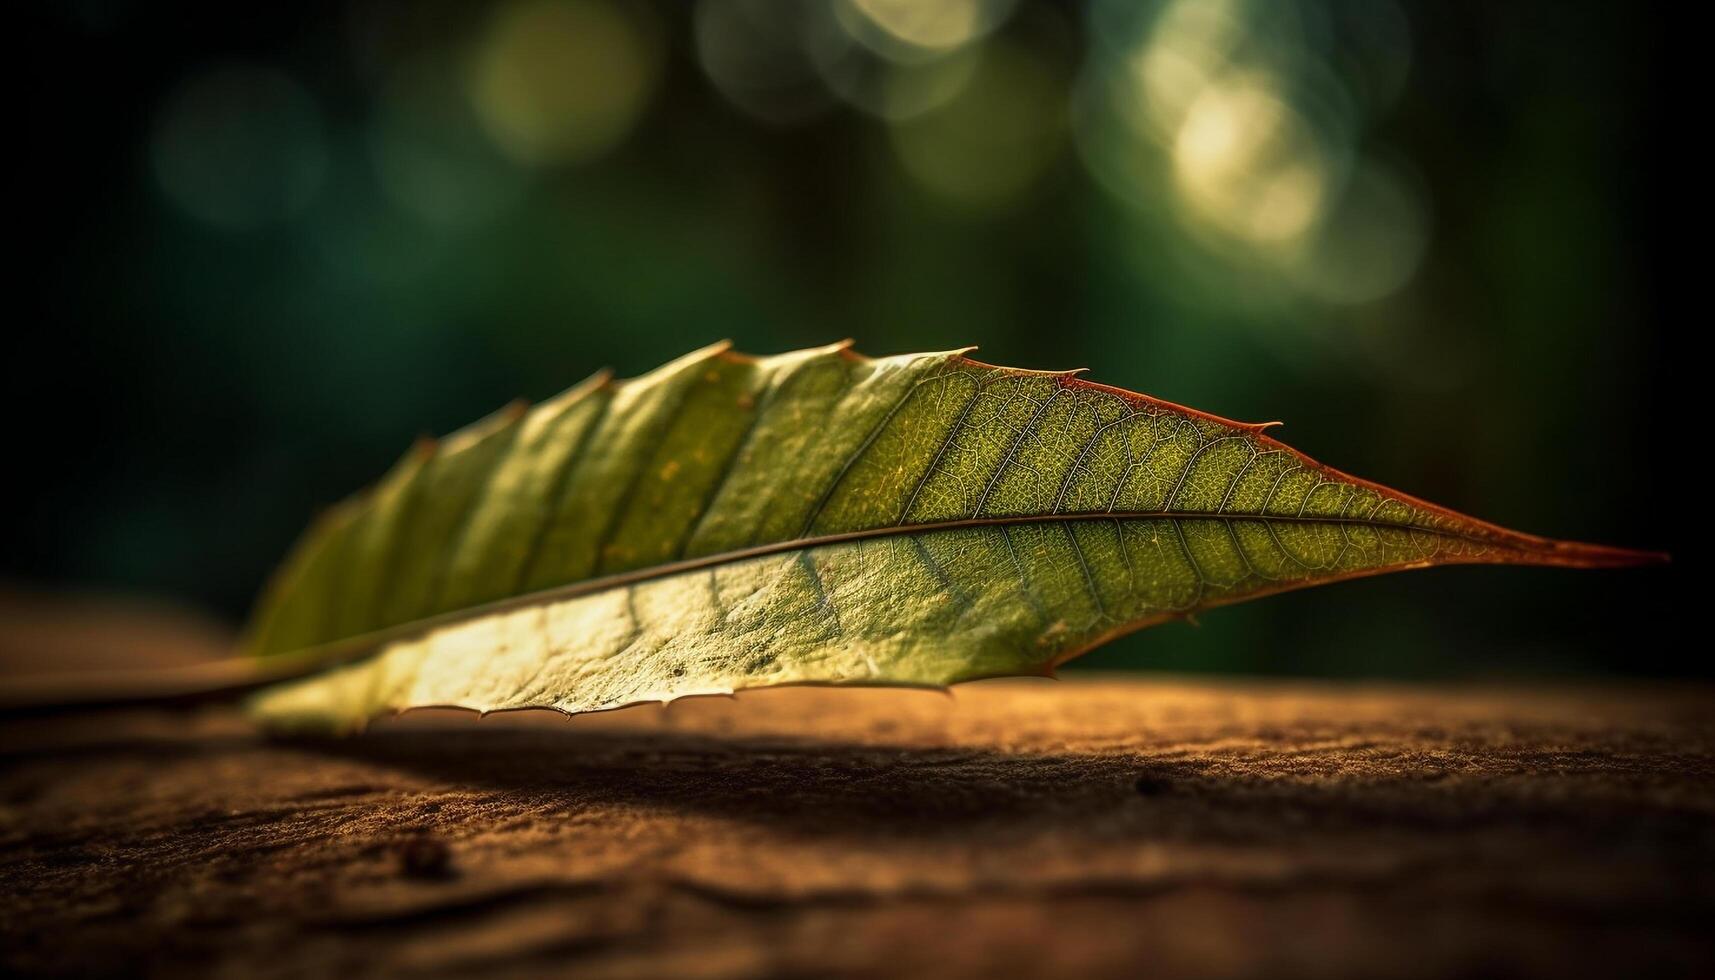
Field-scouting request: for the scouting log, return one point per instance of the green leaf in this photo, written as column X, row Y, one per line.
column 728, row 522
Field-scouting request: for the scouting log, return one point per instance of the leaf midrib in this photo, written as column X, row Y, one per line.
column 349, row 648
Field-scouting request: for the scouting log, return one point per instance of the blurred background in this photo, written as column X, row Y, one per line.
column 268, row 245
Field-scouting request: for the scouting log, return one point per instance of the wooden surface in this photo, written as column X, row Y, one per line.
column 1096, row 827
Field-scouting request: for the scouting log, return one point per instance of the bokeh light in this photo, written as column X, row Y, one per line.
column 1372, row 241
column 562, row 81
column 429, row 148
column 985, row 146
column 908, row 29
column 757, row 54
column 1238, row 123
column 878, row 84
column 1244, row 161
column 239, row 147
column 1188, row 49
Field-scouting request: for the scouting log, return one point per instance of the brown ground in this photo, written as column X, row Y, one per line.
column 1105, row 827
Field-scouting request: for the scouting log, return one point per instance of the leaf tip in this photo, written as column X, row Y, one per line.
column 1579, row 554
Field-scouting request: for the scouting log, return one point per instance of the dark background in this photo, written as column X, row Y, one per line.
column 267, row 245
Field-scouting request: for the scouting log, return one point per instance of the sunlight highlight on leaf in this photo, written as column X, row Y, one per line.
column 728, row 522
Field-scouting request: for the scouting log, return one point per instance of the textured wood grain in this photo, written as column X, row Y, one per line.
column 1106, row 827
